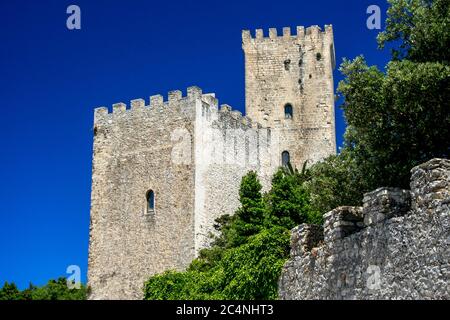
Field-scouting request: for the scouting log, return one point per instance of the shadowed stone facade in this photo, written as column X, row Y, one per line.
column 397, row 246
column 192, row 153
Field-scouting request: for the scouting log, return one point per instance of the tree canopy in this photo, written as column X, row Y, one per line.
column 53, row 290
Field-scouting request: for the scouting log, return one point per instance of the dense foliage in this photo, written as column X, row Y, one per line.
column 336, row 181
column 249, row 271
column 396, row 119
column 419, row 29
column 53, row 290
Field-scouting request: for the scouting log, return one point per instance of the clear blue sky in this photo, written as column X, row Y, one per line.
column 52, row 78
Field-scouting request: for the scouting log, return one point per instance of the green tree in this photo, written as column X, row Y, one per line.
column 248, row 271
column 53, row 290
column 418, row 29
column 58, row 290
column 249, row 218
column 172, row 285
column 9, row 291
column 251, row 271
column 395, row 120
column 336, row 181
column 288, row 201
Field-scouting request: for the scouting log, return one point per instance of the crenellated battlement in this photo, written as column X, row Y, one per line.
column 379, row 205
column 313, row 32
column 226, row 115
column 155, row 101
column 212, row 110
column 210, row 100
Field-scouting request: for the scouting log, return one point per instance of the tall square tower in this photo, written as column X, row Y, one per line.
column 289, row 88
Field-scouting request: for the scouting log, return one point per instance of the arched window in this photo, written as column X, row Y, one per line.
column 285, row 158
column 288, row 111
column 150, row 201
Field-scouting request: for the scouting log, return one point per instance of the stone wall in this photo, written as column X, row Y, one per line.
column 397, row 246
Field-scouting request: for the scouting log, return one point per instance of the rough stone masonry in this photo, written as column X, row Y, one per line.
column 165, row 169
column 396, row 246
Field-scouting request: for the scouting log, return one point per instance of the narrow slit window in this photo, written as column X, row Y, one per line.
column 285, row 158
column 150, row 201
column 288, row 111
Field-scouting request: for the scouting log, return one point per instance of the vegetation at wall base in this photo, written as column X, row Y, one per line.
column 250, row 249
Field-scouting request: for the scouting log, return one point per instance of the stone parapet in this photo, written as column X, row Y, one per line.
column 385, row 203
column 394, row 247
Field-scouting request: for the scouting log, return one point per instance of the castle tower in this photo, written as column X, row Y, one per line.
column 142, row 198
column 289, row 88
column 163, row 171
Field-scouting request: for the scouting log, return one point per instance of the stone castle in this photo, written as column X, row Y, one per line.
column 163, row 172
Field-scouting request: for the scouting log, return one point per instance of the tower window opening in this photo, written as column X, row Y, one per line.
column 288, row 112
column 285, row 158
column 150, row 197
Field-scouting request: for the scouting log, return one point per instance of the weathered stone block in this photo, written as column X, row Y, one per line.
column 137, row 104
column 430, row 185
column 305, row 237
column 119, row 108
column 385, row 203
column 341, row 222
